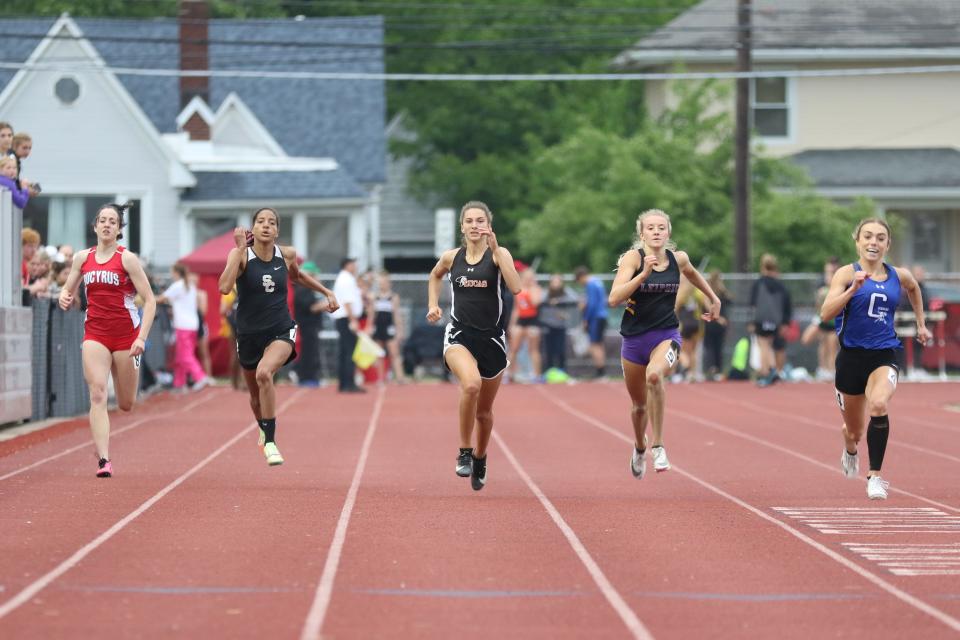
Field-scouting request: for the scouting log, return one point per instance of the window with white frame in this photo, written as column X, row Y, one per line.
column 770, row 107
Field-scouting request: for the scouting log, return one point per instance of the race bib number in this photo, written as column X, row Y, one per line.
column 892, row 376
column 839, row 399
column 671, row 356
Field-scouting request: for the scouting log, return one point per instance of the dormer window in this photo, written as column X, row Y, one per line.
column 770, row 105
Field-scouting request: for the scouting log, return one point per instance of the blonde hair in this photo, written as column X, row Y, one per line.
column 880, row 221
column 20, row 137
column 768, row 263
column 638, row 243
column 5, row 160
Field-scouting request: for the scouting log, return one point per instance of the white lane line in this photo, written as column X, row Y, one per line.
column 815, row 423
column 619, row 605
column 113, row 434
column 899, row 594
column 321, row 601
column 38, row 585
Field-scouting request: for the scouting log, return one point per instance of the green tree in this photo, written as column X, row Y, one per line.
column 595, row 183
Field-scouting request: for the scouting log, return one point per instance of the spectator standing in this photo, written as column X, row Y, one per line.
column 690, row 306
column 554, row 318
column 29, row 243
column 594, row 317
column 228, row 330
column 772, row 311
column 388, row 327
column 823, row 331
column 916, row 366
column 346, row 319
column 6, row 138
column 38, row 280
column 182, row 298
column 526, row 323
column 64, row 254
column 715, row 333
column 203, row 331
column 22, row 146
column 308, row 309
column 8, row 181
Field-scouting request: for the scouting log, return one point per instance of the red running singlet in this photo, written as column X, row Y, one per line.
column 112, row 317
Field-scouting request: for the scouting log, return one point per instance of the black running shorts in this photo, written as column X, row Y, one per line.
column 250, row 347
column 854, row 367
column 489, row 352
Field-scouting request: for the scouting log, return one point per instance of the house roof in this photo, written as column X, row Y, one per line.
column 273, row 185
column 785, row 29
column 340, row 119
column 882, row 168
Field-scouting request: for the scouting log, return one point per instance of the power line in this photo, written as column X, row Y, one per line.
column 477, row 77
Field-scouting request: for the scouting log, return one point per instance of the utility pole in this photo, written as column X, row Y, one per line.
column 741, row 186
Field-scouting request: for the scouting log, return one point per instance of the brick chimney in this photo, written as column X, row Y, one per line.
column 193, row 17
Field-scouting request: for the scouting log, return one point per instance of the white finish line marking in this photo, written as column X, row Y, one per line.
column 911, row 559
column 873, row 521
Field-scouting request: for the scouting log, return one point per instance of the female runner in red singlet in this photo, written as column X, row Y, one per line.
column 114, row 334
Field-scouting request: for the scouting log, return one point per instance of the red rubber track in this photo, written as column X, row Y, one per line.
column 195, row 536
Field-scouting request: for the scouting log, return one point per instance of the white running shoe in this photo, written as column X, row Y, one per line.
column 638, row 463
column 850, row 464
column 272, row 454
column 660, row 462
column 877, row 488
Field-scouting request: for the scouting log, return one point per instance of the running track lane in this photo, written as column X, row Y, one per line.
column 427, row 557
column 73, row 435
column 174, row 568
column 751, row 479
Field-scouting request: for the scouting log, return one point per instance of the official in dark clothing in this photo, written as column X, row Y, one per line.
column 308, row 308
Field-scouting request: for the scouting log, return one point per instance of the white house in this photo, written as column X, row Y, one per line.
column 198, row 154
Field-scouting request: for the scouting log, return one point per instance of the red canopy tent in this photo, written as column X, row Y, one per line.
column 208, row 261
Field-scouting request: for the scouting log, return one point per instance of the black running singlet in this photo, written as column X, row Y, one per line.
column 262, row 295
column 476, row 302
column 651, row 306
column 383, row 314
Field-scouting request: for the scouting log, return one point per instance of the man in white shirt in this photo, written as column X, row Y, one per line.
column 345, row 318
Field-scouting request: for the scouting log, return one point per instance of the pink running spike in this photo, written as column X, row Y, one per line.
column 105, row 471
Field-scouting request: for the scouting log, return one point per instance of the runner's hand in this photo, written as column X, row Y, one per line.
column 240, row 237
column 858, row 279
column 924, row 336
column 332, row 304
column 434, row 315
column 66, row 299
column 649, row 262
column 491, row 238
column 713, row 313
column 137, row 347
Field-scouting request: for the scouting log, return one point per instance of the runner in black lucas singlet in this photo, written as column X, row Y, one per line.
column 474, row 344
column 266, row 333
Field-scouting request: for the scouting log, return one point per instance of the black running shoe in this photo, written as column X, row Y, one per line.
column 463, row 462
column 478, row 476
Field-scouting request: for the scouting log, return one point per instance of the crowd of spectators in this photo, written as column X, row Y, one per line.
column 14, row 149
